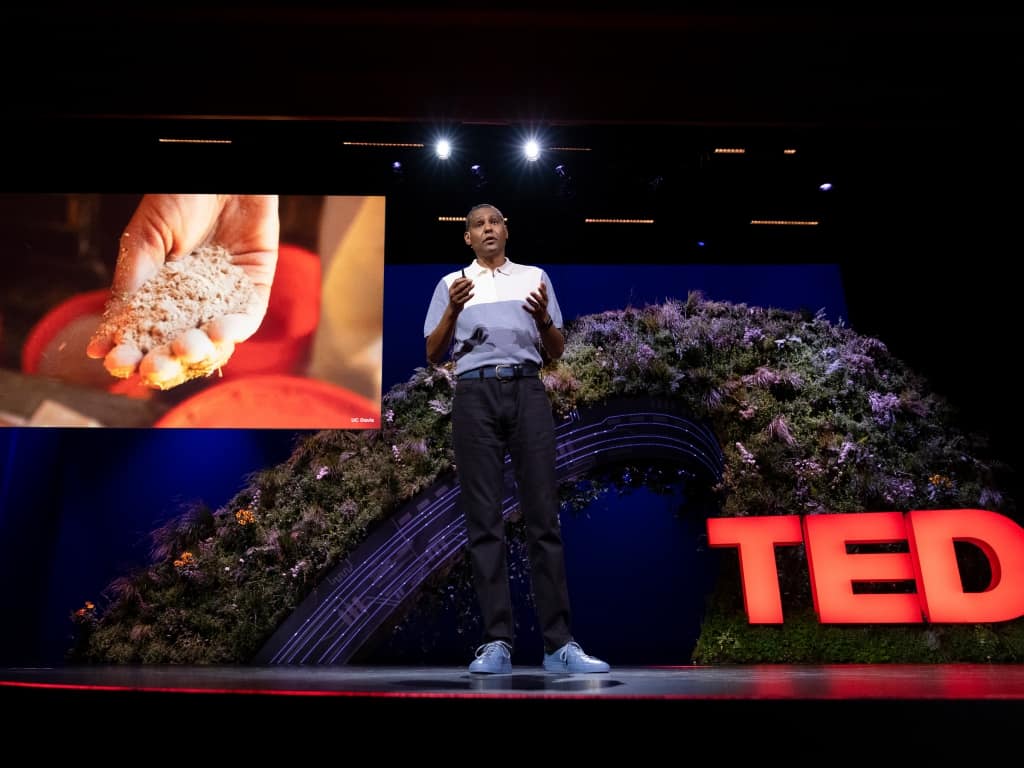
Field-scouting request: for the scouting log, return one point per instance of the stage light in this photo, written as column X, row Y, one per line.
column 532, row 150
column 443, row 148
column 391, row 144
column 786, row 222
column 565, row 186
column 194, row 141
column 618, row 221
column 826, row 186
column 477, row 175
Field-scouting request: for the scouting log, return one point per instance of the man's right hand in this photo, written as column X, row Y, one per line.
column 460, row 291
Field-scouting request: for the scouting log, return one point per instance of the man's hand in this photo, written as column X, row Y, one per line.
column 460, row 291
column 537, row 304
column 167, row 228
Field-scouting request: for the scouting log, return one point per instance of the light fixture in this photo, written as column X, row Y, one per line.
column 477, row 175
column 785, row 222
column 618, row 221
column 565, row 186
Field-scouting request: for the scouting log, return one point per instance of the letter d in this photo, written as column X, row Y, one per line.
column 932, row 533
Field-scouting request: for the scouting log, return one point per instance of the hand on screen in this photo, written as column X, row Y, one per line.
column 177, row 332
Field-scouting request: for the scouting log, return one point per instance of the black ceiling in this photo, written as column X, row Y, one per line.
column 482, row 64
column 900, row 108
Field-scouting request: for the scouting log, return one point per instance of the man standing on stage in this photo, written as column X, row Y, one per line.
column 501, row 321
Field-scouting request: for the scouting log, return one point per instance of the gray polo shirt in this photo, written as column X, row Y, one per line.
column 493, row 328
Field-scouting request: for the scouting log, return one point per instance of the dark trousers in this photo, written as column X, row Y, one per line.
column 489, row 416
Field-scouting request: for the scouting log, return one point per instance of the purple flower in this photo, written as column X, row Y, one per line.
column 750, row 335
column 883, row 407
column 746, row 456
column 845, row 450
column 644, row 355
column 898, row 491
column 443, row 407
column 989, row 498
column 779, row 429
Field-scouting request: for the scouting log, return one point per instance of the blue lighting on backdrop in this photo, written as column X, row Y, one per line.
column 78, row 506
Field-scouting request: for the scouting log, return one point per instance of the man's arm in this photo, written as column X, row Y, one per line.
column 440, row 339
column 550, row 335
column 552, row 339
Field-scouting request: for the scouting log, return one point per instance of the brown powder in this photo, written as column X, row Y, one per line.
column 184, row 294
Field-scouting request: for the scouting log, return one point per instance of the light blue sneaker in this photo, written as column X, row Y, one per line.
column 571, row 658
column 494, row 658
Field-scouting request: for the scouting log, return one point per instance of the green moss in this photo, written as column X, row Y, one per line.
column 727, row 638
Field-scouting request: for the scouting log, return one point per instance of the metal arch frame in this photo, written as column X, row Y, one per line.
column 364, row 591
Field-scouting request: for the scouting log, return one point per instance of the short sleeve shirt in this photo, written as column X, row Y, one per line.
column 493, row 328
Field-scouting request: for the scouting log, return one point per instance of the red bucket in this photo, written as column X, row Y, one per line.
column 272, row 402
column 56, row 344
column 281, row 345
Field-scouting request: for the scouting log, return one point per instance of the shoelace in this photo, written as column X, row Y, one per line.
column 489, row 649
column 564, row 655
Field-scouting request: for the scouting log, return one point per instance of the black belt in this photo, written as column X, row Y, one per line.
column 502, row 372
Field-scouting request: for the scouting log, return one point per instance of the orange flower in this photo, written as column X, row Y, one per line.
column 245, row 516
column 187, row 558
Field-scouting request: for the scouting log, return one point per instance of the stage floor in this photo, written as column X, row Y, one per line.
column 861, row 682
column 929, row 707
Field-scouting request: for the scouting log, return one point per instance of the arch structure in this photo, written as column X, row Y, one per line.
column 363, row 592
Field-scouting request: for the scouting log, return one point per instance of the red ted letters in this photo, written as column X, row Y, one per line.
column 931, row 564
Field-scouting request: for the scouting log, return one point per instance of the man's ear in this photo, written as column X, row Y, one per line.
column 465, row 236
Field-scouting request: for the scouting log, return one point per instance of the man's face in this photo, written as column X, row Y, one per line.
column 487, row 233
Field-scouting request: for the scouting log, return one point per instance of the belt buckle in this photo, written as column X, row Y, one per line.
column 497, row 372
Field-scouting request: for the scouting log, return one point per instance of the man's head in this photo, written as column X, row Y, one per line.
column 486, row 232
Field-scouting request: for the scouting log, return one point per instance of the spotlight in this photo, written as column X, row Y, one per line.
column 397, row 172
column 565, row 187
column 532, row 150
column 825, row 187
column 443, row 148
column 478, row 176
